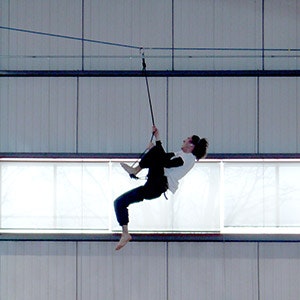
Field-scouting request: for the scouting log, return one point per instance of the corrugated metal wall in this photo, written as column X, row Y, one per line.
column 281, row 30
column 227, row 34
column 33, row 51
column 255, row 115
column 111, row 115
column 129, row 22
column 213, row 107
column 279, row 115
column 160, row 270
column 114, row 115
column 30, row 270
column 38, row 114
column 219, row 25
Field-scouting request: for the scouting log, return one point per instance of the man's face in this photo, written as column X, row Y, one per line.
column 187, row 144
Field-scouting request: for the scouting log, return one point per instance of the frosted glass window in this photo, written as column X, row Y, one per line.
column 196, row 204
column 82, row 196
column 261, row 194
column 249, row 194
column 36, row 195
column 216, row 196
column 289, row 195
column 27, row 195
column 186, row 210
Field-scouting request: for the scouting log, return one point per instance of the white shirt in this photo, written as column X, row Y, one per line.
column 176, row 173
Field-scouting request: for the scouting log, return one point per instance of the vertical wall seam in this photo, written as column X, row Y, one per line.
column 49, row 112
column 167, row 113
column 257, row 117
column 167, row 270
column 8, row 34
column 263, row 34
column 82, row 35
column 173, row 42
column 258, row 271
column 76, row 271
column 297, row 119
column 77, row 115
column 224, row 267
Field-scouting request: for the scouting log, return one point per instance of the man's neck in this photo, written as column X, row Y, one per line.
column 186, row 150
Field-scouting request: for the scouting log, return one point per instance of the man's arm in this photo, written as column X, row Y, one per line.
column 173, row 163
column 169, row 162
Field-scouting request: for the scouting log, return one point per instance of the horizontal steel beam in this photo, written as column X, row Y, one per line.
column 153, row 237
column 150, row 73
column 70, row 155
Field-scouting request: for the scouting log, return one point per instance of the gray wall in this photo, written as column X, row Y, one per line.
column 159, row 270
column 227, row 34
column 111, row 115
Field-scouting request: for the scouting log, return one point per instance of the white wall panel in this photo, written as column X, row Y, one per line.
column 114, row 113
column 35, row 51
column 278, row 115
column 37, row 270
column 282, row 26
column 129, row 22
column 217, row 24
column 221, row 109
column 37, row 114
column 136, row 272
column 279, row 269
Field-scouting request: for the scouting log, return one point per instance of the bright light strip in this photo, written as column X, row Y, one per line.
column 260, row 230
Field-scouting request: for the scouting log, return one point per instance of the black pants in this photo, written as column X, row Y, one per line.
column 155, row 185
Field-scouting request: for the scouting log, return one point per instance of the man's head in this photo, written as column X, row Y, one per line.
column 201, row 145
column 196, row 145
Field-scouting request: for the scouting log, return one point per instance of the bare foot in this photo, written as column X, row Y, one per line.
column 125, row 238
column 128, row 169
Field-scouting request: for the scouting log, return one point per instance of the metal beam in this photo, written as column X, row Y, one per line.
column 150, row 73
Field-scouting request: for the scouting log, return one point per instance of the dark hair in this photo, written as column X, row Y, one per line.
column 201, row 145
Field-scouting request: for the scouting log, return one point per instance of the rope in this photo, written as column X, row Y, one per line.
column 150, row 105
column 148, row 48
column 148, row 90
column 69, row 37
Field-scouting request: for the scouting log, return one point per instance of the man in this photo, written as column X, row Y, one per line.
column 164, row 172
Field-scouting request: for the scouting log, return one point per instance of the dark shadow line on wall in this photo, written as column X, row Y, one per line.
column 257, row 117
column 263, row 35
column 82, row 35
column 173, row 34
column 77, row 117
column 167, row 270
column 258, row 271
column 77, row 273
column 167, row 113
